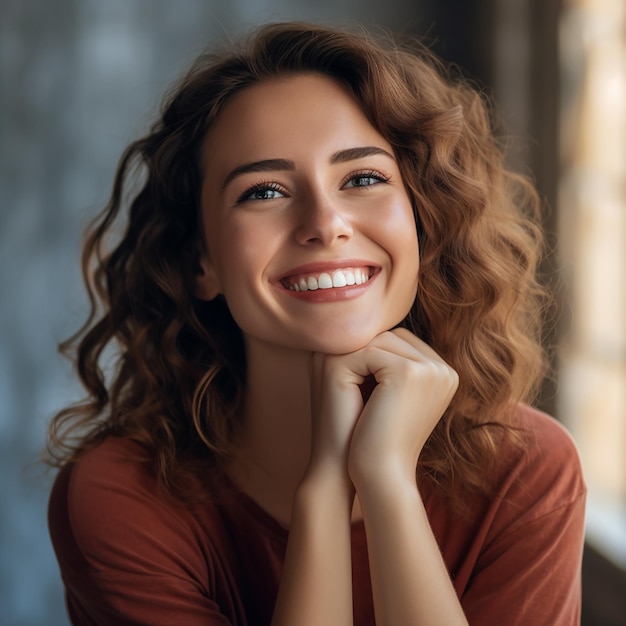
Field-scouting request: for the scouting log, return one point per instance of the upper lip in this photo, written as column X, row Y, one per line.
column 326, row 266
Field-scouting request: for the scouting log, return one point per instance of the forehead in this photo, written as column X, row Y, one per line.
column 286, row 117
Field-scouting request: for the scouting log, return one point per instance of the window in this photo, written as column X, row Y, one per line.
column 592, row 236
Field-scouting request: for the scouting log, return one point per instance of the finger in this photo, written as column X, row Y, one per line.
column 334, row 388
column 418, row 344
column 404, row 343
column 393, row 361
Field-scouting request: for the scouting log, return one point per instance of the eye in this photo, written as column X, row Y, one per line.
column 365, row 179
column 261, row 192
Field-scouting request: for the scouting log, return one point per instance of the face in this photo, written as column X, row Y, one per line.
column 310, row 233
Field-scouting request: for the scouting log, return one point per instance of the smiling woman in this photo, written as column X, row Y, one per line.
column 326, row 313
column 333, row 200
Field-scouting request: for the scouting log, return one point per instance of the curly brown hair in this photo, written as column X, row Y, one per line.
column 180, row 371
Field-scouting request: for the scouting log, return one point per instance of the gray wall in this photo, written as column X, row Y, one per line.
column 79, row 79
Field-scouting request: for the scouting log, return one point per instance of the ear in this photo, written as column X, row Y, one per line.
column 206, row 283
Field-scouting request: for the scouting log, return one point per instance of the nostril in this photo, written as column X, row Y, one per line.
column 324, row 226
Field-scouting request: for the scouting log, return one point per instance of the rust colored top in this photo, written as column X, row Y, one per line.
column 129, row 556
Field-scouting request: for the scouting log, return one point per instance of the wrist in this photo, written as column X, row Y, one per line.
column 379, row 477
column 321, row 485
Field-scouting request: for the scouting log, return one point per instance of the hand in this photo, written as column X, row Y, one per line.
column 337, row 402
column 413, row 386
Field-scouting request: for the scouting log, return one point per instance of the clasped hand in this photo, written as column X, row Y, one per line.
column 378, row 433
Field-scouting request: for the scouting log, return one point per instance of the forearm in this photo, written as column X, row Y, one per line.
column 316, row 583
column 410, row 582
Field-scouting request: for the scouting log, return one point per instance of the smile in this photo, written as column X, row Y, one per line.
column 344, row 277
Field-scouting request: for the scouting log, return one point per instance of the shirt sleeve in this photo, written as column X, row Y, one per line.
column 126, row 556
column 529, row 571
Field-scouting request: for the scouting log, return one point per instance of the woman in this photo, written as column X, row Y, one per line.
column 326, row 316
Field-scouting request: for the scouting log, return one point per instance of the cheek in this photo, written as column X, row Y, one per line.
column 240, row 262
column 231, row 249
column 401, row 234
column 404, row 248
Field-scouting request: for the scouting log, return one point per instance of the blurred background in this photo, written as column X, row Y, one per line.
column 79, row 79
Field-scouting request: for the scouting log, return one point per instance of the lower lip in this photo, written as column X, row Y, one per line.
column 334, row 294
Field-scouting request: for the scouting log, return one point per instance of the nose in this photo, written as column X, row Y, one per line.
column 321, row 221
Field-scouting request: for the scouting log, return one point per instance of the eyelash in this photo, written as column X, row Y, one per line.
column 261, row 186
column 272, row 186
column 380, row 178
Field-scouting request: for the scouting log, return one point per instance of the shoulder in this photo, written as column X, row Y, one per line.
column 107, row 511
column 107, row 480
column 548, row 453
column 543, row 474
column 521, row 559
column 116, row 465
column 543, row 428
column 128, row 554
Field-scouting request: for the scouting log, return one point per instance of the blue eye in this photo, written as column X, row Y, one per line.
column 365, row 179
column 261, row 192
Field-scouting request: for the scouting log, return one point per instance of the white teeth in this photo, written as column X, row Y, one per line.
column 339, row 278
column 360, row 277
column 325, row 281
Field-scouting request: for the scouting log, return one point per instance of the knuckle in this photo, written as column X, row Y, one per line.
column 411, row 370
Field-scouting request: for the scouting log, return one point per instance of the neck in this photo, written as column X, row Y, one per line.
column 274, row 446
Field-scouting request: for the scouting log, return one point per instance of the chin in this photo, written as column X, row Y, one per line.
column 343, row 344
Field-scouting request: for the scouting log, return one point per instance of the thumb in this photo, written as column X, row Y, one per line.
column 336, row 403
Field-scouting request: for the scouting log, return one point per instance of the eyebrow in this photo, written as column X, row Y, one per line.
column 273, row 165
column 267, row 165
column 351, row 154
